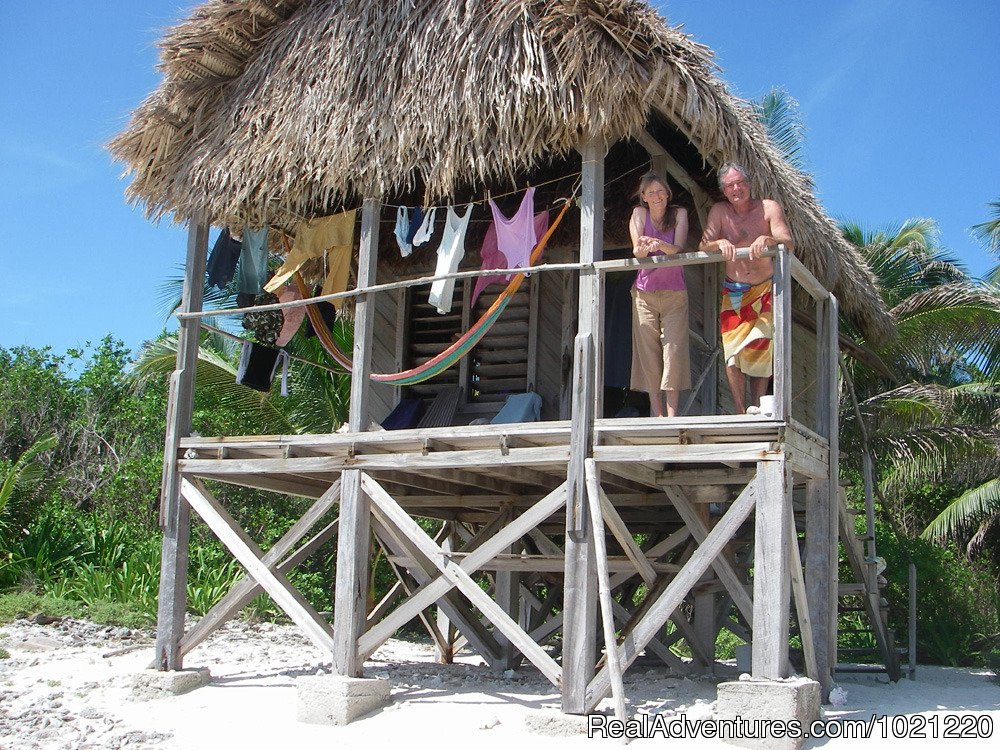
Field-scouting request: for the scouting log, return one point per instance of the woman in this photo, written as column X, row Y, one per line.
column 660, row 359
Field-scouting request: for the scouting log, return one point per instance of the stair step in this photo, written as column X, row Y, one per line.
column 861, row 669
column 851, row 589
column 858, row 651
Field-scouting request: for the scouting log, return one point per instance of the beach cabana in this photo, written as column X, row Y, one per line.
column 280, row 113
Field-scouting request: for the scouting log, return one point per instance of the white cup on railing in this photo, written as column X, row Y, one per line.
column 767, row 405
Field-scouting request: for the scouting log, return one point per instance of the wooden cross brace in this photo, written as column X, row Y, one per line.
column 392, row 518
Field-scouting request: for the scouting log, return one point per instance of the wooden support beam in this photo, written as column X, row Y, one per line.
column 392, row 515
column 434, row 590
column 673, row 594
column 354, row 538
column 175, row 515
column 244, row 590
column 446, row 652
column 580, row 579
column 832, row 372
column 249, row 555
column 620, row 531
column 665, row 163
column 580, row 587
column 507, row 584
column 607, row 614
column 770, row 572
column 782, row 305
column 723, row 567
column 655, row 646
column 801, row 600
column 423, row 572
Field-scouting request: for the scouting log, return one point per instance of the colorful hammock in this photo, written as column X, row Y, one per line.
column 453, row 353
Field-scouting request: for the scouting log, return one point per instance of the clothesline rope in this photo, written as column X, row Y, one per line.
column 607, row 266
column 488, row 197
column 241, row 340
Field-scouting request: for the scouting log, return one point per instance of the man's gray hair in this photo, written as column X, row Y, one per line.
column 729, row 166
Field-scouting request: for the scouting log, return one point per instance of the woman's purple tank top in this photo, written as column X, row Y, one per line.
column 659, row 279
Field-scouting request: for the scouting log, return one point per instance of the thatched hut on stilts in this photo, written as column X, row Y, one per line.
column 273, row 113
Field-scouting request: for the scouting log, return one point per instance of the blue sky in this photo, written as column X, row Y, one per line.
column 901, row 101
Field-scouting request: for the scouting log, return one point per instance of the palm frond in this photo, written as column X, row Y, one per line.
column 779, row 113
column 965, row 511
column 988, row 232
column 216, row 374
column 26, row 472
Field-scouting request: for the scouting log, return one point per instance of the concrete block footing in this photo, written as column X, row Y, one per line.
column 153, row 683
column 766, row 708
column 555, row 724
column 337, row 700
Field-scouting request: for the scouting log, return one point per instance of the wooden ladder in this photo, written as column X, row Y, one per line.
column 867, row 589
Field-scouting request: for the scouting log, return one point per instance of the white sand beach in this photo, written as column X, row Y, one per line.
column 68, row 685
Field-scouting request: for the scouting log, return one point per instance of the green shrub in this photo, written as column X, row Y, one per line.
column 28, row 604
column 956, row 603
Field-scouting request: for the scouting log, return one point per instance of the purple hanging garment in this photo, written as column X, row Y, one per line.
column 508, row 242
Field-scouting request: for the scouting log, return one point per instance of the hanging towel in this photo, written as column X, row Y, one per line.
column 402, row 231
column 426, row 230
column 251, row 271
column 333, row 235
column 494, row 258
column 292, row 316
column 257, row 367
column 449, row 255
column 222, row 261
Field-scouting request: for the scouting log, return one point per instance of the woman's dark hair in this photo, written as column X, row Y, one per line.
column 670, row 217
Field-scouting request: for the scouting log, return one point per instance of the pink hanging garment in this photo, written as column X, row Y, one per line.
column 508, row 242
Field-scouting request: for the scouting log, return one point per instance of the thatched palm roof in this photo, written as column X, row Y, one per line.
column 273, row 108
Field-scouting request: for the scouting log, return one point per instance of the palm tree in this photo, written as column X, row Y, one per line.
column 317, row 403
column 936, row 420
column 988, row 233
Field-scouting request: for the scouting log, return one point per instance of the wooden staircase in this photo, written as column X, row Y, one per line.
column 865, row 595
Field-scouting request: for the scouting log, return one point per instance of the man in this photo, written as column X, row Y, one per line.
column 746, row 318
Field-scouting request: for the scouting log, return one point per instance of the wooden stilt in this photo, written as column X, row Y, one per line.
column 801, row 599
column 670, row 598
column 771, row 579
column 580, row 589
column 351, row 592
column 175, row 514
column 604, row 583
column 446, row 654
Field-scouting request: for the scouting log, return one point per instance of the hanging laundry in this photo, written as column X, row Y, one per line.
column 327, row 312
column 257, row 367
column 222, row 260
column 292, row 315
column 494, row 257
column 449, row 255
column 333, row 235
column 402, row 231
column 415, row 221
column 265, row 324
column 426, row 230
column 252, row 268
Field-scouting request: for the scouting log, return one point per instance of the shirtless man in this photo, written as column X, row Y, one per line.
column 746, row 318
